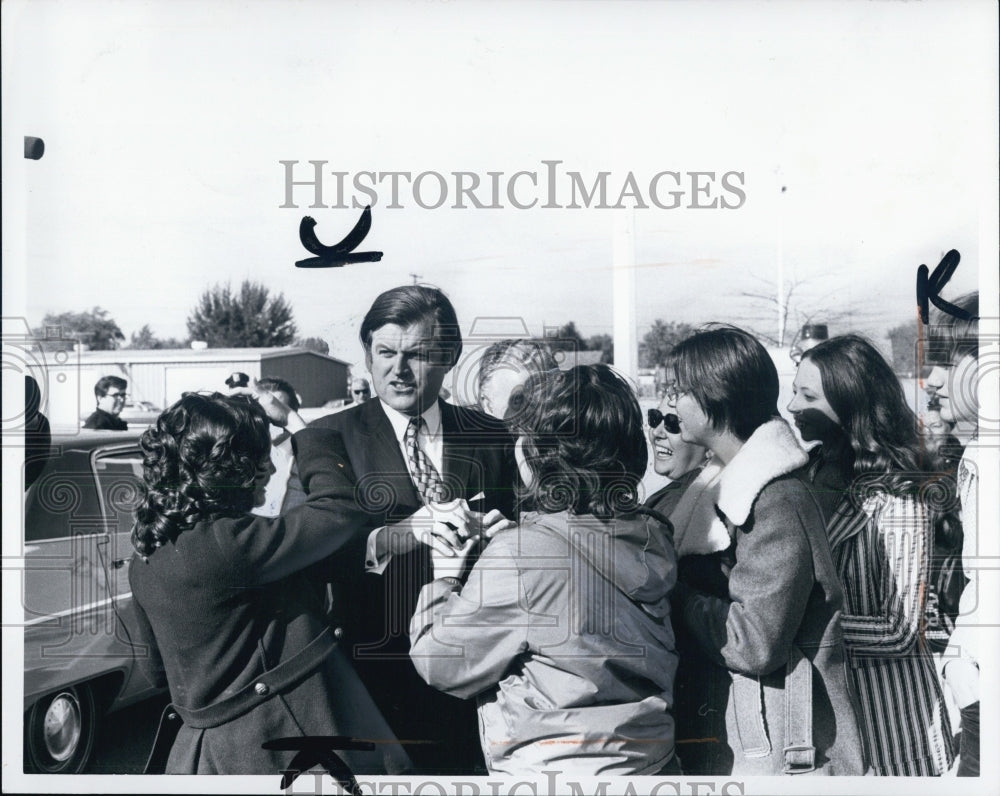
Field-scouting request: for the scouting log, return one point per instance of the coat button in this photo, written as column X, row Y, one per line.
column 338, row 632
column 261, row 689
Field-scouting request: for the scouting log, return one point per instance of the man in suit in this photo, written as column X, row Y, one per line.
column 411, row 452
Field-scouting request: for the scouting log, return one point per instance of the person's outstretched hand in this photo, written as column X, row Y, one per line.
column 277, row 411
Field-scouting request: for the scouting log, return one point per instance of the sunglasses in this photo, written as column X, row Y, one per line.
column 655, row 417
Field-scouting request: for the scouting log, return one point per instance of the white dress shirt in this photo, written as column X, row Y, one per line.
column 429, row 439
column 283, row 460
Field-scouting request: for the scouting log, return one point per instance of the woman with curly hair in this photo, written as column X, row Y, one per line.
column 231, row 625
column 562, row 629
column 847, row 397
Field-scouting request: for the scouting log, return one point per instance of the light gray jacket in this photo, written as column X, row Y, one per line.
column 563, row 633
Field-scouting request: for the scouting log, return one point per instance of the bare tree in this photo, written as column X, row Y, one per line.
column 790, row 307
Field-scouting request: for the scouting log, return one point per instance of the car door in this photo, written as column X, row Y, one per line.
column 118, row 473
column 70, row 625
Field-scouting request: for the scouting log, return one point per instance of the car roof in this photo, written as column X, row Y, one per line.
column 86, row 439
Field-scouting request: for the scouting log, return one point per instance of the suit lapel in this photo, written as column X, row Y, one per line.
column 456, row 457
column 384, row 466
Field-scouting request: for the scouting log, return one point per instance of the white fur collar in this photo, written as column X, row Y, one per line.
column 729, row 492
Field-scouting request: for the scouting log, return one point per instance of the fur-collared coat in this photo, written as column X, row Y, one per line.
column 781, row 613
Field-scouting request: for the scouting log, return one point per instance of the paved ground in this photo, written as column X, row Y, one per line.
column 125, row 738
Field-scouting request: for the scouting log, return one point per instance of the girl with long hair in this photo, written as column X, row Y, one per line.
column 847, row 397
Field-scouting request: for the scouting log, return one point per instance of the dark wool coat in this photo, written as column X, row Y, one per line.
column 701, row 684
column 375, row 610
column 245, row 649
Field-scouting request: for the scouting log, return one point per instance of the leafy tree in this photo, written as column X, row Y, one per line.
column 145, row 338
column 247, row 318
column 316, row 344
column 94, row 328
column 604, row 343
column 904, row 347
column 566, row 338
column 657, row 343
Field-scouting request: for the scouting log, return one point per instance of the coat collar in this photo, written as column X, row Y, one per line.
column 772, row 451
column 722, row 493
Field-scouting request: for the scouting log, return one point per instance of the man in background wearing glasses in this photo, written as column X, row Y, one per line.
column 111, row 396
column 361, row 391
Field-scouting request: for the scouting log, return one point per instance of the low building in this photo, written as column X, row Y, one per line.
column 161, row 376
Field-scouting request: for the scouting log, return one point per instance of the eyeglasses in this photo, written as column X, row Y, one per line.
column 122, row 395
column 361, row 392
column 655, row 417
column 672, row 394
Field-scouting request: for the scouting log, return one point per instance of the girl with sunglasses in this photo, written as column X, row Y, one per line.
column 681, row 462
column 673, row 458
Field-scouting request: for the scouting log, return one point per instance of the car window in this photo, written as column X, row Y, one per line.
column 119, row 476
column 63, row 501
column 68, row 500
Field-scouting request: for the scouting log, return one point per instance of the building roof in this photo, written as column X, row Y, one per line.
column 570, row 359
column 192, row 355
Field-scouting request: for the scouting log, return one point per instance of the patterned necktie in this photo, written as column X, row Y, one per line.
column 425, row 476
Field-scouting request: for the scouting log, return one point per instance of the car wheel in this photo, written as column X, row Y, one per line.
column 59, row 731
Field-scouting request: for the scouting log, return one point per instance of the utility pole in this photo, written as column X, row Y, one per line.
column 623, row 295
column 782, row 308
column 416, row 277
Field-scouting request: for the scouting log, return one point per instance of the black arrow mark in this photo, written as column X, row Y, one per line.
column 340, row 253
column 319, row 750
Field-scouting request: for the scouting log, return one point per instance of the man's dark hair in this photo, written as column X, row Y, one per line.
column 105, row 383
column 731, row 376
column 411, row 304
column 274, row 384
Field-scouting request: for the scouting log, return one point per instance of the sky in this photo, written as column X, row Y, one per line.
column 865, row 134
column 165, row 124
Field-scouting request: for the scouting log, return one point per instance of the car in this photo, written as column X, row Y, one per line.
column 79, row 619
column 141, row 413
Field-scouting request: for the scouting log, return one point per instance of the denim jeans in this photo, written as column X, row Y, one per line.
column 968, row 765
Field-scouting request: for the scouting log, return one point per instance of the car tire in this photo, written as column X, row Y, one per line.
column 59, row 731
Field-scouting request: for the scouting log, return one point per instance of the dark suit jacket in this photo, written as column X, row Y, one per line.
column 376, row 610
